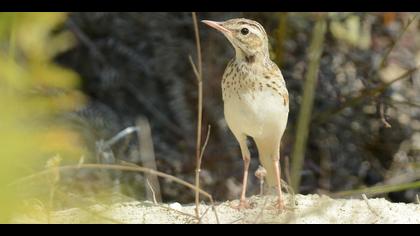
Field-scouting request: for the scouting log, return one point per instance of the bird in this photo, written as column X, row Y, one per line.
column 255, row 99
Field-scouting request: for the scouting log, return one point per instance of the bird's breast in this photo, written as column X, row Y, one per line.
column 255, row 99
column 256, row 112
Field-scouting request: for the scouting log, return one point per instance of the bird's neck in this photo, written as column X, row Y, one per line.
column 251, row 58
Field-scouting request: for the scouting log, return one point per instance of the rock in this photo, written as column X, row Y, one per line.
column 175, row 206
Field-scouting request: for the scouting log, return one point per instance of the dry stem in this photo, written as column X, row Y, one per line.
column 199, row 75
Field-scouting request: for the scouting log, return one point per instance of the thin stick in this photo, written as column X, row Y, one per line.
column 382, row 114
column 385, row 58
column 196, row 73
column 204, row 213
column 369, row 206
column 199, row 113
column 198, row 170
column 153, row 192
column 213, row 207
column 198, row 44
column 205, row 143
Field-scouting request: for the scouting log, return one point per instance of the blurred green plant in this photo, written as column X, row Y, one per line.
column 303, row 125
column 380, row 189
column 33, row 92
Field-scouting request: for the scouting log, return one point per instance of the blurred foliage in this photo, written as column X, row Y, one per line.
column 351, row 30
column 34, row 91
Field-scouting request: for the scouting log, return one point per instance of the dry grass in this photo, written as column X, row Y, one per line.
column 131, row 168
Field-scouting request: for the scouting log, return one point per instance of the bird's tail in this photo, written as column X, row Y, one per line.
column 268, row 164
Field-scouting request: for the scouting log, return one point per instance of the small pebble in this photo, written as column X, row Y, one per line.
column 176, row 206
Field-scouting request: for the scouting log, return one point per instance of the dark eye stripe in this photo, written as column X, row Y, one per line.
column 259, row 27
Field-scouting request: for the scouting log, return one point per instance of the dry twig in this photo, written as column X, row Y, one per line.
column 369, row 206
column 153, row 192
column 198, row 71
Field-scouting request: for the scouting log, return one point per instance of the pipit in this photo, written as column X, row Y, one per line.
column 255, row 97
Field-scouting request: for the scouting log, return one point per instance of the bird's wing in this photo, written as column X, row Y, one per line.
column 280, row 84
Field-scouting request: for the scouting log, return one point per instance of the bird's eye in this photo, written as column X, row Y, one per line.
column 244, row 31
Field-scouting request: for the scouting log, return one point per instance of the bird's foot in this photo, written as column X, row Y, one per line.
column 243, row 204
column 279, row 205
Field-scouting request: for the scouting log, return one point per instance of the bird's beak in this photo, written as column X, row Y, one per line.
column 217, row 25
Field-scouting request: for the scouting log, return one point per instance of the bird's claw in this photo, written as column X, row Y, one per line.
column 243, row 204
column 279, row 205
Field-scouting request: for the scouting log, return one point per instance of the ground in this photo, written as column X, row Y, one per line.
column 307, row 209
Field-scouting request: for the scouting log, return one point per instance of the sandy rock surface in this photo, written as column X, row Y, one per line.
column 307, row 209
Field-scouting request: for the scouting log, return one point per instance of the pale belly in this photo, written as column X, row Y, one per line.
column 256, row 115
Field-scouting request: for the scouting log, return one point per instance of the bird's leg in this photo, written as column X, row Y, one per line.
column 280, row 203
column 243, row 203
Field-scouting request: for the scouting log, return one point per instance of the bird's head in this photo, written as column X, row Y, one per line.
column 248, row 37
